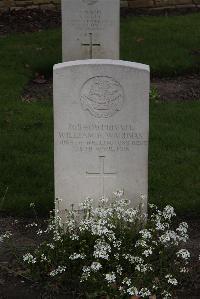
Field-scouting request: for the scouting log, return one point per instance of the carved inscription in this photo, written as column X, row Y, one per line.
column 102, row 96
column 90, row 2
column 102, row 138
column 89, row 20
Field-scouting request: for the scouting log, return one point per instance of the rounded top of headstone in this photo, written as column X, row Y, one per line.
column 136, row 65
column 90, row 2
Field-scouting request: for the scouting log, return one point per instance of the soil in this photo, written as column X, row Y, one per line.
column 182, row 88
column 15, row 283
column 31, row 20
column 28, row 20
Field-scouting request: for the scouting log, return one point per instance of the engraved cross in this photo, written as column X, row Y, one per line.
column 101, row 173
column 91, row 45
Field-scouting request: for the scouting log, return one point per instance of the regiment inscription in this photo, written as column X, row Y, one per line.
column 91, row 137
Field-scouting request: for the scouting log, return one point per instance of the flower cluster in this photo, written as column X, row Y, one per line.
column 114, row 248
column 29, row 259
column 5, row 236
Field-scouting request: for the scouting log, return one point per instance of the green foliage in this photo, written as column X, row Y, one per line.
column 174, row 162
column 112, row 249
column 167, row 44
column 154, row 94
column 26, row 129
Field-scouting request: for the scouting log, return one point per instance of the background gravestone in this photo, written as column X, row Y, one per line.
column 90, row 29
column 101, row 125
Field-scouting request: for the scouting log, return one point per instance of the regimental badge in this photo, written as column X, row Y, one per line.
column 102, row 96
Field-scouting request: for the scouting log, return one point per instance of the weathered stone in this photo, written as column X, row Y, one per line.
column 101, row 124
column 90, row 29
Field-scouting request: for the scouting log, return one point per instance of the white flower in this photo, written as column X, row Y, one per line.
column 76, row 256
column 118, row 193
column 39, row 232
column 117, row 256
column 166, row 295
column 133, row 259
column 103, row 200
column 43, row 258
column 126, row 281
column 102, row 250
column 147, row 252
column 160, row 226
column 146, row 234
column 168, row 212
column 171, row 279
column 141, row 243
column 56, row 236
column 132, row 291
column 74, row 237
column 31, row 225
column 100, row 228
column 170, row 237
column 85, row 274
column 184, row 270
column 29, row 259
column 87, row 203
column 130, row 215
column 144, row 292
column 122, row 290
column 50, row 245
column 95, row 266
column 117, row 244
column 152, row 206
column 183, row 227
column 119, row 269
column 5, row 236
column 143, row 268
column 182, row 231
column 110, row 277
column 183, row 253
column 57, row 271
column 32, row 205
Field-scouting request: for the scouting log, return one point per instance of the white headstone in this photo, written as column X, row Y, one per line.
column 90, row 29
column 101, row 125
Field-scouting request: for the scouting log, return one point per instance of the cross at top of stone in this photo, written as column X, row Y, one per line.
column 91, row 45
column 101, row 173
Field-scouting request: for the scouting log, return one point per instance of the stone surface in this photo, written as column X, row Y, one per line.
column 90, row 29
column 101, row 124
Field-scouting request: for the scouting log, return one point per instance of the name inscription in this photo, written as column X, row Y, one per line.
column 89, row 20
column 101, row 138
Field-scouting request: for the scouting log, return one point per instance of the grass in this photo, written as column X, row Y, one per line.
column 26, row 129
column 167, row 44
column 174, row 161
